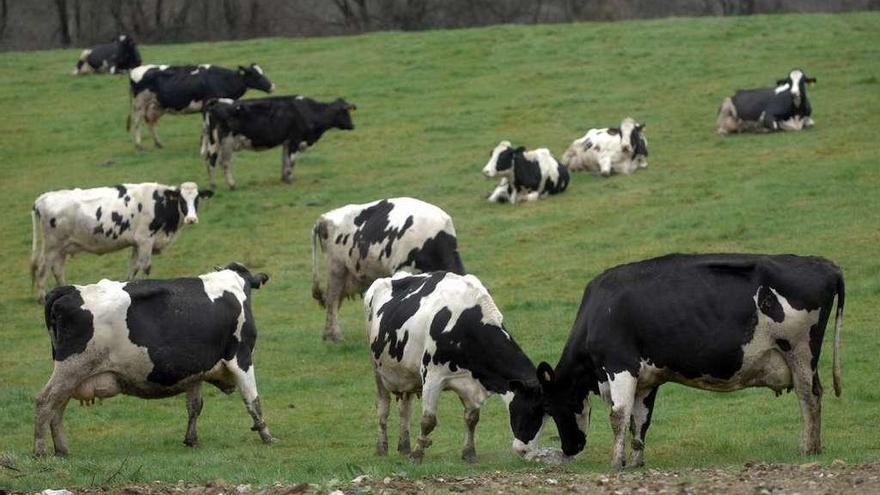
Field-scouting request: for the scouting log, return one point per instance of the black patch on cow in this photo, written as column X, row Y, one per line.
column 638, row 143
column 561, row 183
column 373, row 228
column 406, row 297
column 184, row 332
column 120, row 221
column 769, row 304
column 98, row 214
column 588, row 144
column 140, row 207
column 126, row 199
column 70, row 327
column 338, row 239
column 649, row 405
column 439, row 253
column 121, row 189
column 166, row 212
column 526, row 173
column 52, row 222
column 614, row 131
column 783, row 344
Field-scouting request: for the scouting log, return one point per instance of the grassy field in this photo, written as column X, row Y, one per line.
column 431, row 107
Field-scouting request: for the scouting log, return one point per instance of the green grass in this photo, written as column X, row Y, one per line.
column 431, row 107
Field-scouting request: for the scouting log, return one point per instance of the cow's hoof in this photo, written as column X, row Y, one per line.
column 232, row 187
column 287, row 180
column 139, row 147
column 469, row 456
column 61, row 453
column 191, row 442
column 381, row 449
column 417, row 456
column 158, row 145
column 403, row 448
column 333, row 337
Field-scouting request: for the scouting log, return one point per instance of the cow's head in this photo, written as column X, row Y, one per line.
column 127, row 56
column 570, row 411
column 254, row 77
column 501, row 159
column 341, row 114
column 630, row 135
column 526, row 410
column 253, row 280
column 796, row 82
column 188, row 203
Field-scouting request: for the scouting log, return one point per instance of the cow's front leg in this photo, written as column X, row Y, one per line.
column 605, row 165
column 643, row 408
column 194, row 405
column 383, row 404
column 809, row 391
column 622, row 391
column 247, row 385
column 132, row 263
column 430, row 396
column 144, row 258
column 471, row 418
column 500, row 194
column 287, row 158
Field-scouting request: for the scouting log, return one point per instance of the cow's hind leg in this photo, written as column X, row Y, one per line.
column 430, row 395
column 333, row 300
column 643, row 408
column 133, row 263
column 49, row 410
column 383, row 404
column 226, row 149
column 247, row 385
column 809, row 391
column 287, row 160
column 471, row 418
column 622, row 391
column 57, row 427
column 194, row 405
column 405, row 413
column 152, row 118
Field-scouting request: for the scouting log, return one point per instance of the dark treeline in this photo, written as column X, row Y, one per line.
column 40, row 24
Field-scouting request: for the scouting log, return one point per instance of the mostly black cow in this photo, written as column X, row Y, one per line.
column 159, row 89
column 784, row 108
column 120, row 55
column 718, row 322
column 525, row 175
column 292, row 122
column 363, row 242
column 145, row 216
column 441, row 331
column 151, row 339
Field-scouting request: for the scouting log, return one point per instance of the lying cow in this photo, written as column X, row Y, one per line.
column 440, row 331
column 151, row 339
column 611, row 150
column 145, row 216
column 784, row 108
column 525, row 175
column 292, row 122
column 363, row 242
column 120, row 55
column 718, row 322
column 160, row 89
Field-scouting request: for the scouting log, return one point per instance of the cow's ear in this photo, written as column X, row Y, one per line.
column 259, row 280
column 780, row 82
column 810, row 80
column 206, row 193
column 521, row 149
column 641, row 125
column 242, row 70
column 546, row 375
column 172, row 193
column 520, row 386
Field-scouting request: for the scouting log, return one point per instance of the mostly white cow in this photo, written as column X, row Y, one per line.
column 120, row 55
column 441, row 331
column 525, row 175
column 783, row 108
column 159, row 89
column 292, row 122
column 718, row 322
column 151, row 339
column 610, row 150
column 145, row 216
column 363, row 242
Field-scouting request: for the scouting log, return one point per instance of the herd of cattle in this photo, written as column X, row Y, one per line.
column 718, row 322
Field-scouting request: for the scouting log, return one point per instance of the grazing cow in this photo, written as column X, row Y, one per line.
column 151, row 339
column 784, row 108
column 145, row 216
column 363, row 242
column 611, row 150
column 718, row 322
column 525, row 175
column 117, row 56
column 441, row 331
column 160, row 89
column 292, row 122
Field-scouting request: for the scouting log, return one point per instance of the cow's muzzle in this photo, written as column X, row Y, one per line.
column 191, row 220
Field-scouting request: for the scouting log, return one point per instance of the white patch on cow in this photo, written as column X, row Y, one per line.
column 220, row 282
column 583, row 419
column 122, row 37
column 604, row 153
column 189, row 191
column 205, row 66
column 258, row 69
column 795, row 76
column 194, row 106
column 228, row 101
column 138, row 72
column 782, row 88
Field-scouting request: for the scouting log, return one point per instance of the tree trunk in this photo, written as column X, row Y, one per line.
column 61, row 6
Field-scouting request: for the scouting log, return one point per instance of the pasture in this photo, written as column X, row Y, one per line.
column 431, row 106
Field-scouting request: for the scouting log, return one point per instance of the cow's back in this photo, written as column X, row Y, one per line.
column 751, row 103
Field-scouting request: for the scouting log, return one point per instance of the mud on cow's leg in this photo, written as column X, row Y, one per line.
column 383, row 404
column 57, row 427
column 226, row 149
column 287, row 162
column 809, row 392
column 643, row 408
column 405, row 413
column 152, row 117
column 194, row 405
column 471, row 418
column 333, row 300
column 247, row 385
column 622, row 390
column 50, row 404
column 430, row 396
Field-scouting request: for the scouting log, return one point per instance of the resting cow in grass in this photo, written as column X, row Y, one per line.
column 525, row 175
column 610, row 150
column 718, row 322
column 159, row 89
column 292, row 122
column 363, row 242
column 146, row 217
column 783, row 108
column 441, row 331
column 151, row 339
column 120, row 55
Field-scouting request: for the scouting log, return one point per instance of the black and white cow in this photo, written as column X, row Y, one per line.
column 610, row 150
column 145, row 216
column 151, row 339
column 292, row 122
column 160, row 89
column 441, row 331
column 718, row 322
column 120, row 55
column 525, row 175
column 363, row 242
column 784, row 108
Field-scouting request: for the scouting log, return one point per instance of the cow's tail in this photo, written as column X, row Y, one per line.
column 838, row 322
column 318, row 231
column 35, row 238
column 130, row 103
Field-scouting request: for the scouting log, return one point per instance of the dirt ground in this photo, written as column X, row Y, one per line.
column 752, row 479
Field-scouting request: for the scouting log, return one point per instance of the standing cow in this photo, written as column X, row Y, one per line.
column 159, row 89
column 292, row 122
column 718, row 322
column 363, row 242
column 610, row 150
column 145, row 216
column 151, row 339
column 120, row 55
column 441, row 331
column 525, row 175
column 784, row 108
